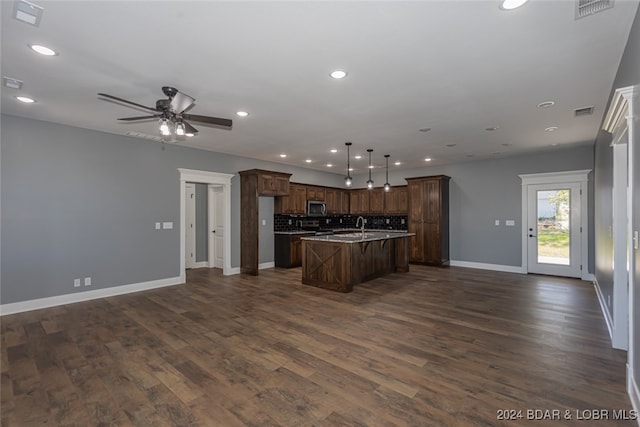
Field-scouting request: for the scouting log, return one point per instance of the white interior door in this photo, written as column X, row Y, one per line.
column 554, row 229
column 216, row 242
column 190, row 226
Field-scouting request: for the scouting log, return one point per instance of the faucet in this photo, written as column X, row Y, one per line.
column 362, row 228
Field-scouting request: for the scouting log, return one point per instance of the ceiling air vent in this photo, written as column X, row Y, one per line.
column 589, row 7
column 586, row 111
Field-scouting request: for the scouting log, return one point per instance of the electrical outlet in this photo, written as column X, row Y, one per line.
column 340, row 220
column 609, row 300
column 76, row 283
column 402, row 221
column 157, row 226
column 264, row 222
column 497, row 222
column 327, row 221
column 290, row 222
column 87, row 281
column 387, row 221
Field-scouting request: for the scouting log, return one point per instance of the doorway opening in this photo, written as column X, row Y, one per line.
column 555, row 224
column 218, row 223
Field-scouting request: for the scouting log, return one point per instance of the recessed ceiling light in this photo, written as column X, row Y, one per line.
column 424, row 129
column 506, row 144
column 358, row 157
column 25, row 99
column 334, row 150
column 428, row 159
column 451, row 145
column 329, row 165
column 283, row 155
column 308, row 160
column 242, row 113
column 397, row 163
column 491, row 129
column 350, row 169
column 43, row 50
column 511, row 4
column 552, row 128
column 546, row 104
column 338, row 74
column 470, row 155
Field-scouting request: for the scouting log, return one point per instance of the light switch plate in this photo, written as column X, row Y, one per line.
column 157, row 226
column 264, row 222
column 510, row 223
column 497, row 222
column 167, row 225
column 87, row 281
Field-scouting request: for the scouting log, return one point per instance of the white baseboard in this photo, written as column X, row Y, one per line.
column 634, row 393
column 483, row 266
column 36, row 304
column 266, row 265
column 603, row 306
column 231, row 271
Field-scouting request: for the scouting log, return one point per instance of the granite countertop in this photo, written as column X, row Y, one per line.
column 356, row 237
column 342, row 230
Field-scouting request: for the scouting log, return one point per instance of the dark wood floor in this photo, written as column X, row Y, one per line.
column 433, row 347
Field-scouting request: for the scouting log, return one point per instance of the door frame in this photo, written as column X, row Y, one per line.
column 577, row 176
column 211, row 223
column 214, row 178
column 190, row 215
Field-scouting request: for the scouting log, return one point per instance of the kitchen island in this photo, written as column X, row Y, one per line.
column 338, row 262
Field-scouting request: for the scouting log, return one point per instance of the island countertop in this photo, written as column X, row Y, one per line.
column 358, row 237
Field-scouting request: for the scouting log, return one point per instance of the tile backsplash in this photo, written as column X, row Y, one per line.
column 378, row 222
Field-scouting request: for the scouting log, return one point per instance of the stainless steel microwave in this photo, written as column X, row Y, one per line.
column 315, row 208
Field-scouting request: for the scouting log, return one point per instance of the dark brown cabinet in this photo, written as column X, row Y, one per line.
column 376, row 201
column 288, row 250
column 428, row 217
column 293, row 204
column 254, row 183
column 316, row 193
column 337, row 201
column 396, row 201
column 273, row 184
column 359, row 202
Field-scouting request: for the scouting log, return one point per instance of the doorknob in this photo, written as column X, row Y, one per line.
column 213, row 231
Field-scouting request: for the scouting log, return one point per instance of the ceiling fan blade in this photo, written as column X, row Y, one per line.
column 188, row 128
column 126, row 102
column 227, row 123
column 181, row 102
column 128, row 119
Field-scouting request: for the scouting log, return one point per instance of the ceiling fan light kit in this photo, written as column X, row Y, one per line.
column 171, row 113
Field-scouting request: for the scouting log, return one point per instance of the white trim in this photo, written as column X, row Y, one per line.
column 483, row 266
column 266, row 265
column 620, row 228
column 224, row 179
column 233, row 271
column 37, row 304
column 604, row 307
column 633, row 391
column 578, row 176
column 201, row 264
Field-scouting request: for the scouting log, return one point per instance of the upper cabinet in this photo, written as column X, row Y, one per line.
column 317, row 194
column 376, row 200
column 359, row 201
column 273, row 183
column 337, row 201
column 395, row 201
column 293, row 204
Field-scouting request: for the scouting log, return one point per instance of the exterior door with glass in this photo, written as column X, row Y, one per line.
column 554, row 229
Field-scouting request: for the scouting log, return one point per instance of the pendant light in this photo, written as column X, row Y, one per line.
column 387, row 186
column 348, row 180
column 369, row 181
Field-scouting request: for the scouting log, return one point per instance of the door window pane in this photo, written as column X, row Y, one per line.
column 553, row 226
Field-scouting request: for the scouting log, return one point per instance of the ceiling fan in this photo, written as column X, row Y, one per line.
column 171, row 112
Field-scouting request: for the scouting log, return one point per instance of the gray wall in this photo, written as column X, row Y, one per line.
column 486, row 190
column 79, row 203
column 202, row 223
column 628, row 75
column 266, row 238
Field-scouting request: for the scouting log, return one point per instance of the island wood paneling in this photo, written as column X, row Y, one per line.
column 432, row 347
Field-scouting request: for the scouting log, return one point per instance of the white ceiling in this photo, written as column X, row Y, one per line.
column 455, row 67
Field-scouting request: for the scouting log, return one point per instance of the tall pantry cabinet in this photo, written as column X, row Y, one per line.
column 429, row 219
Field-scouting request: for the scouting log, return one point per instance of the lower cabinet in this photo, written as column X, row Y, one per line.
column 288, row 249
